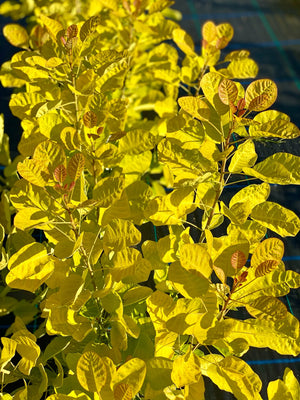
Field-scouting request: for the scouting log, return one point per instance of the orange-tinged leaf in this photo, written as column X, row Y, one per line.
column 123, row 391
column 76, row 166
column 60, row 173
column 265, row 267
column 260, row 94
column 72, row 31
column 238, row 259
column 228, row 91
column 90, row 119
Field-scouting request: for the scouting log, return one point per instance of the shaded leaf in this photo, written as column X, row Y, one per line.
column 91, row 372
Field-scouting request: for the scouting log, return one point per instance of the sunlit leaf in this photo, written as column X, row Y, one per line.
column 195, row 106
column 29, row 267
column 280, row 168
column 132, row 373
column 245, row 156
column 183, row 41
column 277, row 218
column 267, row 307
column 228, row 91
column 91, row 371
column 186, row 369
column 260, row 94
column 16, row 35
column 196, row 259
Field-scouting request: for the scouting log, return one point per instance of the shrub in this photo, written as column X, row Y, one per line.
column 113, row 155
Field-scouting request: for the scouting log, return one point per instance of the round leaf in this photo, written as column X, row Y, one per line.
column 16, row 35
column 260, row 94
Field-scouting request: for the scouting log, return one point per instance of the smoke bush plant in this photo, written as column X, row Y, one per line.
column 109, row 147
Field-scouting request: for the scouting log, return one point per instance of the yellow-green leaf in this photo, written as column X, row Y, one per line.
column 260, row 94
column 119, row 234
column 29, row 267
column 133, row 373
column 28, row 350
column 53, row 26
column 91, row 372
column 267, row 307
column 16, row 35
column 273, row 123
column 184, row 41
column 280, row 168
column 251, row 194
column 186, row 369
column 76, row 166
column 245, row 156
column 195, row 106
column 108, row 190
column 277, row 218
column 195, row 258
column 233, row 375
column 242, row 69
column 190, row 284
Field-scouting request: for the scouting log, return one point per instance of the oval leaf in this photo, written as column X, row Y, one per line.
column 91, row 372
column 260, row 94
column 228, row 91
column 16, row 35
column 76, row 166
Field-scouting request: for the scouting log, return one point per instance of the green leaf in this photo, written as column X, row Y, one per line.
column 280, row 168
column 29, row 267
column 260, row 94
column 245, row 156
column 159, row 372
column 16, row 35
column 277, row 218
column 91, row 372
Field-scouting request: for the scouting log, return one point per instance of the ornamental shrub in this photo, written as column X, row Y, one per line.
column 129, row 139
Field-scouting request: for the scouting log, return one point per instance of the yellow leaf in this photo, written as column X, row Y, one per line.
column 194, row 258
column 186, row 369
column 16, row 35
column 244, row 156
column 188, row 283
column 28, row 350
column 53, row 26
column 277, row 218
column 184, row 41
column 267, row 307
column 251, row 194
column 280, row 168
column 209, row 31
column 108, row 190
column 119, row 234
column 195, row 106
column 132, row 373
column 123, row 391
column 260, row 94
column 91, row 372
column 8, row 352
column 269, row 249
column 292, row 384
column 35, row 172
column 29, row 267
column 273, row 123
column 241, row 69
column 76, row 166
